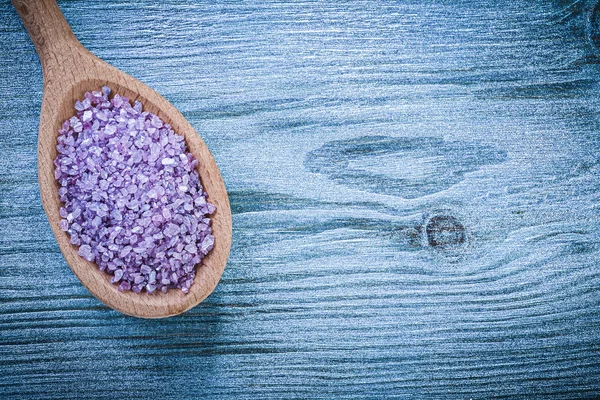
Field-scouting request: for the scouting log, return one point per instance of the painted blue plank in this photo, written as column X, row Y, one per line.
column 415, row 195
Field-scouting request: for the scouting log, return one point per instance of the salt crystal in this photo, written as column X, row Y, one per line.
column 145, row 269
column 211, row 208
column 145, row 221
column 85, row 251
column 152, row 276
column 207, row 244
column 117, row 275
column 191, row 248
column 96, row 221
column 79, row 106
column 110, row 129
column 150, row 288
column 142, row 178
column 171, row 230
column 101, row 116
column 117, row 101
column 125, row 251
column 116, row 215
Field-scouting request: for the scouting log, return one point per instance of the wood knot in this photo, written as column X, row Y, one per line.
column 445, row 231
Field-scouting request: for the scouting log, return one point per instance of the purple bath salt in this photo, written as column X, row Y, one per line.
column 133, row 201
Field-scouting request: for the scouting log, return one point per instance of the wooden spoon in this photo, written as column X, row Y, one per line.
column 69, row 71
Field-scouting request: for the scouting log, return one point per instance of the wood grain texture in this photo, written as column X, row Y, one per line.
column 359, row 141
column 69, row 71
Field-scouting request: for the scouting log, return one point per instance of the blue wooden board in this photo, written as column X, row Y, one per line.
column 415, row 196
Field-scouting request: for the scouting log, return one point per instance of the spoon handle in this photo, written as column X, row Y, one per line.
column 49, row 31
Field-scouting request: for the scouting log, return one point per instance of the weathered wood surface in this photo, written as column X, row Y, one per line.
column 415, row 197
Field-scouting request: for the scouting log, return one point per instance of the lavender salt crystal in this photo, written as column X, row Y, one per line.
column 133, row 201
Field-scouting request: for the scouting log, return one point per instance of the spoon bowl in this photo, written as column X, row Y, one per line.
column 69, row 71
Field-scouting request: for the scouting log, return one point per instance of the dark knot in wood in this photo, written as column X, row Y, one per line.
column 445, row 230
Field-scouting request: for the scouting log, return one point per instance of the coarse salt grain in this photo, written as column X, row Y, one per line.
column 133, row 201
